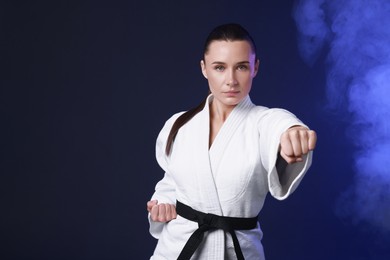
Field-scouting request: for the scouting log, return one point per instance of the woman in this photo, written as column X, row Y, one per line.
column 221, row 159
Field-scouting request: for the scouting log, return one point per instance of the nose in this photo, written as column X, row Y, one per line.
column 231, row 79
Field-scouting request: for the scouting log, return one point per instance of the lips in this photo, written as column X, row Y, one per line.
column 231, row 93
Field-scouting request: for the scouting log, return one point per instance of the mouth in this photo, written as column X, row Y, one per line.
column 231, row 93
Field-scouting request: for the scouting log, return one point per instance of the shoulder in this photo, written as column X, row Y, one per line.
column 261, row 112
column 171, row 120
column 273, row 118
column 164, row 132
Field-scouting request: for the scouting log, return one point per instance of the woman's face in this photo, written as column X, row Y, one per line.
column 229, row 67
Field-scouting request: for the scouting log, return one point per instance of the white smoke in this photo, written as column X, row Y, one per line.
column 357, row 36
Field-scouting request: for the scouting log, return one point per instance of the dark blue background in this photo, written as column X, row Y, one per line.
column 86, row 87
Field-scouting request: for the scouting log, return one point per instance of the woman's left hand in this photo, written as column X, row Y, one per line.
column 296, row 142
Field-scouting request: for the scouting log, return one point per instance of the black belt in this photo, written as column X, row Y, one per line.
column 207, row 221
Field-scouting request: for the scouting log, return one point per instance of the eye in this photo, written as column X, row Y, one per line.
column 242, row 67
column 219, row 68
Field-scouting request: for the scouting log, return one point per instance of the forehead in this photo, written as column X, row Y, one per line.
column 229, row 50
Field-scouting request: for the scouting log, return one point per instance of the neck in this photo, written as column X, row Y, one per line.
column 219, row 111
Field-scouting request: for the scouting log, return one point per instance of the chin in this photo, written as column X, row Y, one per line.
column 232, row 101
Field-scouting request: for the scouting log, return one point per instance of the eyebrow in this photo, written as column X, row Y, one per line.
column 220, row 62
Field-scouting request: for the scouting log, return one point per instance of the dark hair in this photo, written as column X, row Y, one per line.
column 224, row 32
column 229, row 32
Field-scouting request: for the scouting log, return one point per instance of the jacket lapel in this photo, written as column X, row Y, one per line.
column 226, row 132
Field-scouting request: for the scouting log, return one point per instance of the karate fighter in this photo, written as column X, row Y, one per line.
column 222, row 158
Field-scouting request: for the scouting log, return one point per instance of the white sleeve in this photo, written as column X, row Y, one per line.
column 165, row 189
column 272, row 124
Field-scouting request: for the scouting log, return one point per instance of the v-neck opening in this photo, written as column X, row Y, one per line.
column 233, row 118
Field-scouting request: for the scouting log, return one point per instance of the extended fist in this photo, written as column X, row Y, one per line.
column 163, row 212
column 296, row 142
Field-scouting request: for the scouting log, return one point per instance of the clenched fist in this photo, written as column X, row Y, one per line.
column 296, row 142
column 163, row 212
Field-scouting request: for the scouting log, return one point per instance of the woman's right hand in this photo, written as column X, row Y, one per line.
column 163, row 212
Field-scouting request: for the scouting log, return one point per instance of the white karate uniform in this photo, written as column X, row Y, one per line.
column 232, row 178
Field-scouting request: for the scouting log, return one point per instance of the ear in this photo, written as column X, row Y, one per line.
column 203, row 67
column 257, row 64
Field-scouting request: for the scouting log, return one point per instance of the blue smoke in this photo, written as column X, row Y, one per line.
column 357, row 36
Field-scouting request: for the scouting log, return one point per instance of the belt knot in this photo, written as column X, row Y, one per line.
column 207, row 221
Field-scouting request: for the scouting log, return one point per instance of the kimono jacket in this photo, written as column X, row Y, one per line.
column 231, row 178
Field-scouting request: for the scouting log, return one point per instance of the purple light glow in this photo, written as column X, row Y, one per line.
column 358, row 86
